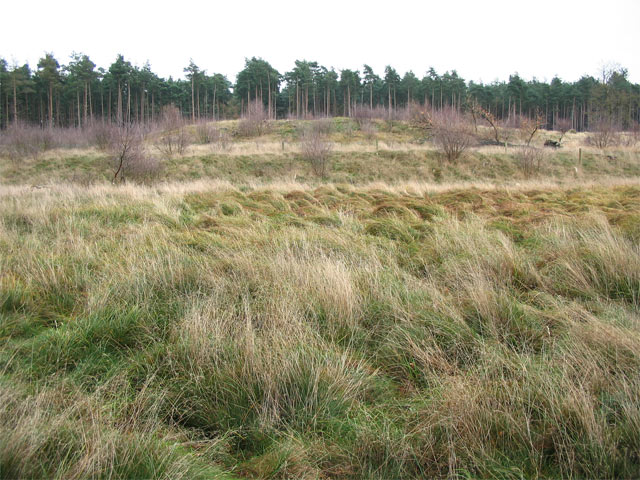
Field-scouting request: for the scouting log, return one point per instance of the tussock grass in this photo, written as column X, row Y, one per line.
column 292, row 331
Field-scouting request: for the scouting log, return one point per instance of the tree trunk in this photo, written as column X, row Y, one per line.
column 50, row 104
column 84, row 110
column 269, row 93
column 79, row 117
column 15, row 100
column 119, row 108
column 193, row 110
column 215, row 87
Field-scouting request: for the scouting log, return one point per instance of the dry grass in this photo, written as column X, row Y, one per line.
column 239, row 317
column 294, row 331
column 398, row 156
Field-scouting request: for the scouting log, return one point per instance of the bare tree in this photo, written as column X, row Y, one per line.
column 529, row 126
column 490, row 119
column 315, row 147
column 451, row 132
column 563, row 125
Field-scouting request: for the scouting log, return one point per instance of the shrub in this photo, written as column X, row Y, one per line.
column 23, row 141
column 363, row 114
column 528, row 127
column 221, row 140
column 206, row 133
column 451, row 133
column 530, row 158
column 410, row 112
column 369, row 130
column 174, row 138
column 563, row 125
column 254, row 122
column 604, row 133
column 315, row 147
column 102, row 134
column 128, row 158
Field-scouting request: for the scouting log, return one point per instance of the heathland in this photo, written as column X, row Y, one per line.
column 324, row 299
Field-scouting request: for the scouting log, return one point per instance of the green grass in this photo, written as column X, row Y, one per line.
column 195, row 331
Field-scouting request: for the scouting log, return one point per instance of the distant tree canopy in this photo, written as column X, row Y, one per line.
column 75, row 93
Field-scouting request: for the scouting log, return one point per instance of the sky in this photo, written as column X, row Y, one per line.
column 483, row 40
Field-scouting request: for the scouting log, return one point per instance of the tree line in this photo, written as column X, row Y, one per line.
column 74, row 94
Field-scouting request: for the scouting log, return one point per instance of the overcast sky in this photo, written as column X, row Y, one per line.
column 483, row 40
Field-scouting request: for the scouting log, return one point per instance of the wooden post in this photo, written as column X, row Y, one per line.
column 283, row 145
column 580, row 156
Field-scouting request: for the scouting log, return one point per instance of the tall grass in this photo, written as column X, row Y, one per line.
column 319, row 332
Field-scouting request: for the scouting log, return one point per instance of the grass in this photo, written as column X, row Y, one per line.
column 401, row 318
column 398, row 155
column 203, row 330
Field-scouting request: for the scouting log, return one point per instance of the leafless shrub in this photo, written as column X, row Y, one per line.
column 348, row 128
column 563, row 125
column 72, row 137
column 315, row 148
column 363, row 114
column 101, row 134
column 174, row 138
column 451, row 133
column 604, row 133
column 206, row 133
column 633, row 137
column 369, row 130
column 173, row 142
column 410, row 112
column 28, row 141
column 528, row 127
column 255, row 121
column 530, row 159
column 220, row 139
column 24, row 141
column 128, row 158
column 323, row 126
